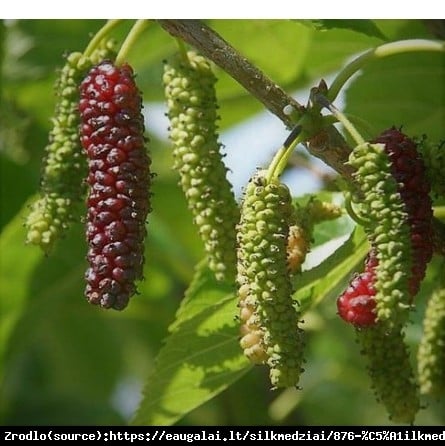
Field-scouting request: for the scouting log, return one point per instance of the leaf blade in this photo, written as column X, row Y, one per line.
column 200, row 358
column 14, row 279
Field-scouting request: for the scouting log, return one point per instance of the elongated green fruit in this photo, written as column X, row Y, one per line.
column 320, row 211
column 270, row 330
column 62, row 187
column 388, row 231
column 192, row 110
column 390, row 370
column 431, row 353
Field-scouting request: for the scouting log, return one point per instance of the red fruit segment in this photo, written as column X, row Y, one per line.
column 357, row 305
column 112, row 128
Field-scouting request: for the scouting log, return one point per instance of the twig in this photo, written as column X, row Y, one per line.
column 329, row 146
column 215, row 48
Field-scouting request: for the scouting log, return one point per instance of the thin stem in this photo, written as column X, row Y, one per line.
column 130, row 40
column 347, row 124
column 385, row 50
column 351, row 211
column 281, row 158
column 100, row 35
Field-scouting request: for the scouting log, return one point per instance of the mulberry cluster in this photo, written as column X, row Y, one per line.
column 270, row 332
column 192, row 110
column 112, row 134
column 394, row 197
column 62, row 186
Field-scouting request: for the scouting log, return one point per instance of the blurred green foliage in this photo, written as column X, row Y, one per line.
column 65, row 362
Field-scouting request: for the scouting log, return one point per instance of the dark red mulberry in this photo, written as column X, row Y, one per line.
column 112, row 128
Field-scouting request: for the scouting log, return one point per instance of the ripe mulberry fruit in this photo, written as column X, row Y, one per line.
column 270, row 331
column 62, row 186
column 112, row 134
column 192, row 110
column 390, row 370
column 431, row 353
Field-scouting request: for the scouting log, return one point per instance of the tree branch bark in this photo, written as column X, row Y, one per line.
column 329, row 146
column 215, row 48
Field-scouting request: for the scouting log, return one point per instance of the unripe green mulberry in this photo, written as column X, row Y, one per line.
column 388, row 231
column 431, row 353
column 320, row 211
column 252, row 334
column 298, row 244
column 270, row 321
column 192, row 110
column 62, row 186
column 390, row 370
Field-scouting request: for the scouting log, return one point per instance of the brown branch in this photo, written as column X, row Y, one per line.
column 214, row 47
column 330, row 147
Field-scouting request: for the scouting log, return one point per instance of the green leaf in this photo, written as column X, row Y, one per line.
column 36, row 47
column 277, row 47
column 290, row 53
column 326, row 279
column 201, row 356
column 367, row 27
column 2, row 53
column 17, row 263
column 399, row 29
column 16, row 184
column 50, row 326
column 405, row 90
column 330, row 49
